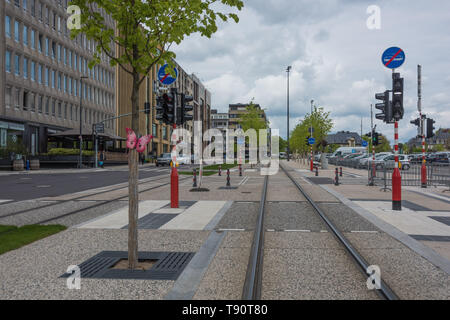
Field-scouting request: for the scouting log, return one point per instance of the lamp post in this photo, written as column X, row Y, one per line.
column 288, row 149
column 80, row 161
column 311, row 131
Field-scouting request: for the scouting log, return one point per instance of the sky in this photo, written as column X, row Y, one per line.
column 335, row 59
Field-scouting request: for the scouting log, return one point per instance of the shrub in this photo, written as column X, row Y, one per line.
column 68, row 152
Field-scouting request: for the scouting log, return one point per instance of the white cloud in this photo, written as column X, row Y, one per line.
column 335, row 59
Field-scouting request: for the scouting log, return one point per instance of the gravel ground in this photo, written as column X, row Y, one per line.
column 345, row 219
column 292, row 216
column 33, row 272
column 226, row 274
column 241, row 215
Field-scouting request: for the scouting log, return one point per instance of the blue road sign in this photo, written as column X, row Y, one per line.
column 165, row 77
column 364, row 143
column 353, row 150
column 311, row 141
column 393, row 57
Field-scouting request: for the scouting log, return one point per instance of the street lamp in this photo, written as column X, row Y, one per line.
column 80, row 161
column 288, row 149
column 311, row 131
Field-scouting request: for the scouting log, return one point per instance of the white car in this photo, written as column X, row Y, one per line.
column 182, row 159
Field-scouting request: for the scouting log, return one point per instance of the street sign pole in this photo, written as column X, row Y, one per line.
column 423, row 169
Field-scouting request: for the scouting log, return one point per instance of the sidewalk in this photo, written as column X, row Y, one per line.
column 71, row 170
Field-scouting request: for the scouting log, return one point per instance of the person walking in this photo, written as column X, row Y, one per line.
column 102, row 159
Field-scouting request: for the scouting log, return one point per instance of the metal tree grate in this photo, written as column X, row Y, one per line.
column 169, row 266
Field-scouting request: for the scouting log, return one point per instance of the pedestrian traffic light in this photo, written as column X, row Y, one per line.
column 375, row 139
column 415, row 122
column 397, row 96
column 147, row 108
column 183, row 116
column 430, row 128
column 385, row 107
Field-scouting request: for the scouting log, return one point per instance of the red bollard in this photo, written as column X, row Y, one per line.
column 220, row 170
column 174, row 188
column 311, row 165
column 240, row 170
column 424, row 175
column 340, row 171
column 396, row 190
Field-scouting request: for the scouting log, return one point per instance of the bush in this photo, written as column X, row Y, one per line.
column 68, row 152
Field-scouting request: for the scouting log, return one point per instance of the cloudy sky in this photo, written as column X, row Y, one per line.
column 335, row 59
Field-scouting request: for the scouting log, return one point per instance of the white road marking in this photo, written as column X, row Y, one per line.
column 4, row 200
column 230, row 229
column 44, row 186
column 287, row 230
column 306, row 180
column 362, row 231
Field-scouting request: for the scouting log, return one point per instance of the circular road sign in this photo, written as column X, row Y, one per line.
column 311, row 141
column 364, row 143
column 393, row 57
column 165, row 77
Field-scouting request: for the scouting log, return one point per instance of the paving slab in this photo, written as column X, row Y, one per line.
column 241, row 215
column 292, row 216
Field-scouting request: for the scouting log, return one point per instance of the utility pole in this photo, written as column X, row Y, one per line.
column 311, row 131
column 288, row 149
column 423, row 169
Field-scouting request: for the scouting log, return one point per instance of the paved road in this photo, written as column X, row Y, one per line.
column 32, row 186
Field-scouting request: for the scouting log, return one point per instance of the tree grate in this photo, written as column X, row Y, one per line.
column 168, row 266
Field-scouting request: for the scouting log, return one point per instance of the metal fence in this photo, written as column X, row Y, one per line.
column 437, row 175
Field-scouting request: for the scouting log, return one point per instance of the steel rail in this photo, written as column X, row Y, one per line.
column 253, row 278
column 384, row 290
column 77, row 198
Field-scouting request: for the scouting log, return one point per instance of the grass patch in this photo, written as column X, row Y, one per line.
column 12, row 237
column 225, row 166
column 205, row 173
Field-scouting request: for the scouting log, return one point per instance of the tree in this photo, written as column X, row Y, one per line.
column 253, row 118
column 143, row 33
column 383, row 144
column 322, row 125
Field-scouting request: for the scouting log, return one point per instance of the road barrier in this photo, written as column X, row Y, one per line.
column 437, row 175
column 317, row 171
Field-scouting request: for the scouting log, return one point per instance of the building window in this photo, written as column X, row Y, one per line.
column 65, row 111
column 65, row 83
column 59, row 110
column 53, row 50
column 40, row 73
column 53, row 79
column 46, row 15
column 47, row 71
column 154, row 130
column 59, row 81
column 75, row 87
column 39, row 6
column 40, row 101
column 32, row 39
column 17, row 98
column 65, row 56
column 17, row 64
column 33, row 5
column 40, row 43
column 47, row 46
column 25, row 35
column 33, row 70
column 59, row 52
column 47, row 102
column 17, row 2
column 8, row 26
column 8, row 61
column 8, row 96
column 25, row 100
column 16, row 31
column 53, row 108
column 70, row 58
column 25, row 67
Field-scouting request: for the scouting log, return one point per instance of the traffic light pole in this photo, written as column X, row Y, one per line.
column 311, row 164
column 423, row 169
column 174, row 192
column 396, row 177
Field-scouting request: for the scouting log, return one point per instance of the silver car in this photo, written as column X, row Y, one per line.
column 389, row 162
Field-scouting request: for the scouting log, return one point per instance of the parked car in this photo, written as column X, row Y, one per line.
column 183, row 159
column 442, row 157
column 164, row 160
column 389, row 162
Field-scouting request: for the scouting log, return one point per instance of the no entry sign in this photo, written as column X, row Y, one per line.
column 393, row 57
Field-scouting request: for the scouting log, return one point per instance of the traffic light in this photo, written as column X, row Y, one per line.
column 182, row 116
column 430, row 128
column 307, row 141
column 160, row 109
column 169, row 107
column 397, row 96
column 375, row 139
column 415, row 122
column 147, row 108
column 385, row 107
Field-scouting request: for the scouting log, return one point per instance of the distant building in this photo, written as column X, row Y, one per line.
column 442, row 136
column 219, row 120
column 344, row 139
column 235, row 111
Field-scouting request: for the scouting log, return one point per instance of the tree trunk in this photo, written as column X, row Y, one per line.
column 133, row 194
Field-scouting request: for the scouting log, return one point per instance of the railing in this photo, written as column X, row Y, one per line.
column 437, row 175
